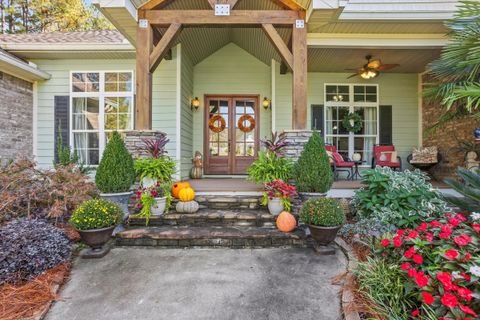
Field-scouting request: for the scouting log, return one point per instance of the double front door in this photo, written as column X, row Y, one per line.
column 231, row 134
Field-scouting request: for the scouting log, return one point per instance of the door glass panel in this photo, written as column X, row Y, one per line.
column 245, row 128
column 218, row 127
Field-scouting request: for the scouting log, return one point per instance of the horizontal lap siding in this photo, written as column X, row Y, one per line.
column 59, row 85
column 187, row 116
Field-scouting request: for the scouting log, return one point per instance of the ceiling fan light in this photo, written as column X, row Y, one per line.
column 365, row 75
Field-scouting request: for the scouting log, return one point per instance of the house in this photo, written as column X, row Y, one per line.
column 217, row 76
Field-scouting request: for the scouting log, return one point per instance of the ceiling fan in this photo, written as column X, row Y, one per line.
column 372, row 68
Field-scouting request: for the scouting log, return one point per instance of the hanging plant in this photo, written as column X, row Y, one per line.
column 352, row 122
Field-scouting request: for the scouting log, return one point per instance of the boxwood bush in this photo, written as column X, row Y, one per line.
column 325, row 212
column 30, row 247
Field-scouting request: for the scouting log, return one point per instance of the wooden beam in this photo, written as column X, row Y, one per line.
column 163, row 45
column 299, row 47
column 232, row 3
column 283, row 65
column 207, row 17
column 290, row 4
column 155, row 4
column 143, row 105
column 279, row 44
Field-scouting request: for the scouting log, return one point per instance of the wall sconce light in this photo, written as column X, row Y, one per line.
column 195, row 103
column 267, row 103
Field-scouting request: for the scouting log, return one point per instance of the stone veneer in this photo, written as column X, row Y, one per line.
column 296, row 140
column 16, row 118
column 134, row 143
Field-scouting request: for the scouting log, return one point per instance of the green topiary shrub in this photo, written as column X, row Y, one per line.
column 312, row 170
column 116, row 173
column 325, row 212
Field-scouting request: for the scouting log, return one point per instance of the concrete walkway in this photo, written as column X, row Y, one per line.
column 223, row 284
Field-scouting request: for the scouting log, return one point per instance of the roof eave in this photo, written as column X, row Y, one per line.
column 21, row 69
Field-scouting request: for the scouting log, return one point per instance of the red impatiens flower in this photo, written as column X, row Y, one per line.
column 412, row 272
column 466, row 276
column 465, row 293
column 385, row 242
column 467, row 310
column 428, row 236
column 415, row 313
column 400, row 232
column 467, row 257
column 446, row 232
column 451, row 254
column 397, row 241
column 462, row 240
column 435, row 224
column 460, row 217
column 405, row 266
column 427, row 297
column 409, row 253
column 412, row 235
column 421, row 279
column 422, row 227
column 454, row 221
column 476, row 227
column 444, row 277
column 449, row 300
column 418, row 259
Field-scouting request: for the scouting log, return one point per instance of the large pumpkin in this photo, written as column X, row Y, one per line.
column 186, row 194
column 179, row 186
column 286, row 222
column 187, row 207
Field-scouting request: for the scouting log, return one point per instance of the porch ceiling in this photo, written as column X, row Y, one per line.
column 203, row 4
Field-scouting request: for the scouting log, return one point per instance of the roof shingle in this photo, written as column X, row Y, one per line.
column 100, row 36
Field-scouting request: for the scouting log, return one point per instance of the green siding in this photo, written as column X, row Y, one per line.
column 186, row 116
column 398, row 90
column 230, row 70
column 164, row 88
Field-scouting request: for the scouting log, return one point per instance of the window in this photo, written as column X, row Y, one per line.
column 340, row 100
column 101, row 102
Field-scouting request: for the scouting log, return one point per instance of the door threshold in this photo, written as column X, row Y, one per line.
column 226, row 176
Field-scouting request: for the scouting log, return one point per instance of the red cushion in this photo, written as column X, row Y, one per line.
column 330, row 148
column 337, row 157
column 345, row 164
column 388, row 164
column 377, row 151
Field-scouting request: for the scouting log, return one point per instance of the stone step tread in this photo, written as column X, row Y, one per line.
column 192, row 233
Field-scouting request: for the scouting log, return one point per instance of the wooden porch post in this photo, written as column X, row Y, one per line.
column 143, row 115
column 299, row 96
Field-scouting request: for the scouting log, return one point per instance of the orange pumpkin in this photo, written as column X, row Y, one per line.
column 286, row 222
column 179, row 186
column 186, row 194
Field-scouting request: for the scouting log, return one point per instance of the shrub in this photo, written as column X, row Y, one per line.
column 325, row 212
column 312, row 171
column 30, row 247
column 96, row 214
column 440, row 264
column 28, row 191
column 160, row 169
column 115, row 173
column 269, row 167
column 403, row 198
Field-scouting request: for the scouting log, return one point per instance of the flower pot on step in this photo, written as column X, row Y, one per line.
column 159, row 209
column 275, row 206
column 119, row 198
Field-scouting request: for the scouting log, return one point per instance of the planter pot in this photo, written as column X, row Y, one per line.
column 119, row 198
column 304, row 196
column 96, row 238
column 160, row 208
column 323, row 235
column 275, row 206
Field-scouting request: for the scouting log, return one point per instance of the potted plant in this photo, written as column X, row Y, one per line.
column 115, row 173
column 324, row 218
column 278, row 196
column 312, row 172
column 154, row 200
column 95, row 221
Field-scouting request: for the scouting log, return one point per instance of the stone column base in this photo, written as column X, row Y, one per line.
column 134, row 141
column 296, row 140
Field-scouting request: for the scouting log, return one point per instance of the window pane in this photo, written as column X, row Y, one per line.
column 86, row 146
column 118, row 82
column 85, row 82
column 117, row 113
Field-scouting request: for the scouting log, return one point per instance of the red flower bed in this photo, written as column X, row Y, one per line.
column 441, row 263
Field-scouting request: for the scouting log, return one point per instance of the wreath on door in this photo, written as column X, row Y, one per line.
column 241, row 121
column 352, row 122
column 212, row 123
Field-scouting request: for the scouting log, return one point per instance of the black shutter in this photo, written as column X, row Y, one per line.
column 62, row 121
column 318, row 118
column 386, row 132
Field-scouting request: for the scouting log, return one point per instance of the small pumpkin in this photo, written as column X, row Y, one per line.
column 187, row 207
column 186, row 194
column 179, row 186
column 286, row 222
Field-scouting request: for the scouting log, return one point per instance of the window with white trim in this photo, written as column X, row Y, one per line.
column 100, row 103
column 342, row 99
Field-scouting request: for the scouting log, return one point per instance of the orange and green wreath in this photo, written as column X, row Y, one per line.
column 249, row 118
column 213, row 121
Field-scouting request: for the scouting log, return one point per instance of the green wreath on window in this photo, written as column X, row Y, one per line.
column 352, row 122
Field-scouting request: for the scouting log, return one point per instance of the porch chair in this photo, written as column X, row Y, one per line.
column 386, row 156
column 338, row 163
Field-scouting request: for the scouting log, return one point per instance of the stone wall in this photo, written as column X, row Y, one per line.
column 445, row 138
column 16, row 118
column 296, row 140
column 134, row 141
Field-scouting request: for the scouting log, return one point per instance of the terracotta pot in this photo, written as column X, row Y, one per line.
column 119, row 198
column 96, row 238
column 323, row 235
column 275, row 206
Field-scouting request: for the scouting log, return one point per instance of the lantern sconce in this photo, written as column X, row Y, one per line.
column 195, row 103
column 267, row 103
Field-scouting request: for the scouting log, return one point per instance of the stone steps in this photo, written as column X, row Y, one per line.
column 198, row 236
column 229, row 200
column 211, row 217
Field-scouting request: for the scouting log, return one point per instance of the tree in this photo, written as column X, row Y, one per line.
column 22, row 16
column 456, row 74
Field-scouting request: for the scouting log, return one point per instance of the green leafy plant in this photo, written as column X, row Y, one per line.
column 96, row 214
column 402, row 199
column 160, row 169
column 312, row 171
column 116, row 173
column 469, row 189
column 325, row 212
column 146, row 199
column 269, row 167
column 65, row 154
column 279, row 189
